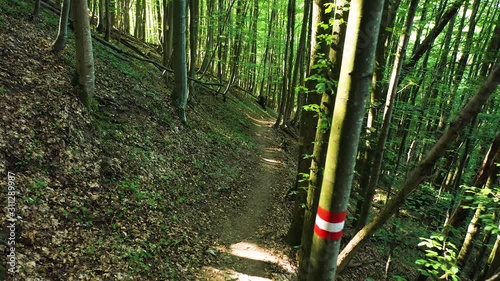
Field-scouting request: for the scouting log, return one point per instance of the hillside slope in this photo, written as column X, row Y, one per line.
column 125, row 193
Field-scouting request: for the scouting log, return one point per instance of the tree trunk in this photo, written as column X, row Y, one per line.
column 193, row 39
column 108, row 26
column 36, row 10
column 287, row 94
column 426, row 45
column 209, row 54
column 473, row 228
column 167, row 32
column 369, row 190
column 493, row 265
column 493, row 50
column 460, row 214
column 180, row 94
column 84, row 54
column 60, row 42
column 101, row 16
column 354, row 85
column 309, row 121
column 321, row 138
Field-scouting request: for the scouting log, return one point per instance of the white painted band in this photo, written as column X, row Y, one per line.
column 328, row 226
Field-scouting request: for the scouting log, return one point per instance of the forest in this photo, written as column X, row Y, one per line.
column 312, row 140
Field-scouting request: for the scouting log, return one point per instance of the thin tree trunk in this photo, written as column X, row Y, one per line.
column 60, row 42
column 168, row 36
column 36, row 10
column 426, row 45
column 309, row 121
column 493, row 264
column 193, row 40
column 460, row 214
column 473, row 228
column 384, row 132
column 101, row 15
column 180, row 94
column 109, row 26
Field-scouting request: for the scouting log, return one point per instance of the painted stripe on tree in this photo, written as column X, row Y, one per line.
column 329, row 225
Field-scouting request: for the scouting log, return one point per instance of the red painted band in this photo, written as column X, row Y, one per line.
column 331, row 216
column 327, row 235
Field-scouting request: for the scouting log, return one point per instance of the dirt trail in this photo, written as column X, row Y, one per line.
column 242, row 257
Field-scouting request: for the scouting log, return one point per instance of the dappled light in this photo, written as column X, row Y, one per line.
column 271, row 161
column 248, row 261
column 233, row 275
column 255, row 252
column 259, row 122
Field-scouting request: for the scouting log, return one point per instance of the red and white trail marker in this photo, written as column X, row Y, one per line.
column 329, row 225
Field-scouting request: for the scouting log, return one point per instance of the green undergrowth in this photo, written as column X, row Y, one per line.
column 125, row 192
column 403, row 238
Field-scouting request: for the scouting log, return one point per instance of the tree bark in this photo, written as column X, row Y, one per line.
column 180, row 94
column 60, row 42
column 322, row 135
column 193, row 39
column 358, row 58
column 426, row 45
column 84, row 54
column 309, row 121
column 168, row 36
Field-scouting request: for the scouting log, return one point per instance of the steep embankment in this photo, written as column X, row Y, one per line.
column 125, row 193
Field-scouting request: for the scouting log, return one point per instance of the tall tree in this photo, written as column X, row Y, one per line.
column 36, row 10
column 60, row 42
column 309, row 119
column 193, row 39
column 369, row 190
column 354, row 85
column 322, row 135
column 287, row 93
column 108, row 25
column 168, row 19
column 180, row 94
column 84, row 53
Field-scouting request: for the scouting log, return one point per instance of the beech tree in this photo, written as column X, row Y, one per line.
column 316, row 170
column 60, row 42
column 85, row 76
column 309, row 118
column 36, row 10
column 180, row 94
column 354, row 84
column 369, row 190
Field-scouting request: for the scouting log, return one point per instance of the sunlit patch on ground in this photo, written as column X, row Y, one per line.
column 255, row 252
column 271, row 161
column 259, row 121
column 246, row 261
column 231, row 275
column 272, row 149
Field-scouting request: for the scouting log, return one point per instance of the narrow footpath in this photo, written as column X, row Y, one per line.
column 241, row 251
